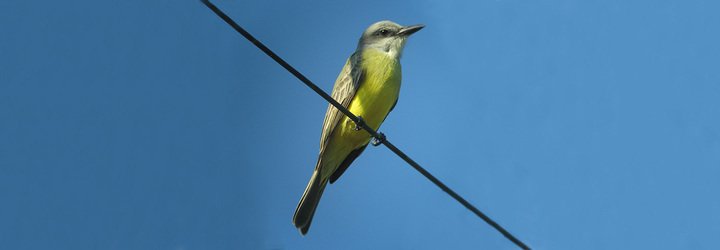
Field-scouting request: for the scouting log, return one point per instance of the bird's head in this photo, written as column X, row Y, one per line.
column 387, row 36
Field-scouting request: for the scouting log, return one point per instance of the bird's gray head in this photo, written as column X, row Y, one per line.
column 387, row 36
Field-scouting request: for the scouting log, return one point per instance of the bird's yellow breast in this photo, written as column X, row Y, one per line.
column 379, row 88
column 375, row 96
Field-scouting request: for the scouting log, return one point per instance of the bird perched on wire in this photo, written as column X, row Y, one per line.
column 368, row 86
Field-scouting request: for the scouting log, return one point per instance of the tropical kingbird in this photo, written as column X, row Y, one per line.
column 368, row 86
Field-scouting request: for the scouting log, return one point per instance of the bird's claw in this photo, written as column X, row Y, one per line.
column 378, row 140
column 357, row 124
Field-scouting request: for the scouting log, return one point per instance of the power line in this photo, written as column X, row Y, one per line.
column 378, row 137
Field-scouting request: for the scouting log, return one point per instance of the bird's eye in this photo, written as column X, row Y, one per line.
column 384, row 32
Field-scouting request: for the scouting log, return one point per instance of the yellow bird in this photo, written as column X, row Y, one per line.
column 368, row 86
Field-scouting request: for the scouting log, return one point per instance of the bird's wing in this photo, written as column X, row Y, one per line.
column 343, row 92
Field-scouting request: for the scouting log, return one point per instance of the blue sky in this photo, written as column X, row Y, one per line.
column 153, row 125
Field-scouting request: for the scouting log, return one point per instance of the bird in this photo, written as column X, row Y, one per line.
column 368, row 86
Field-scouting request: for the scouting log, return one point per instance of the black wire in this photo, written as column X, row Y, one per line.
column 380, row 138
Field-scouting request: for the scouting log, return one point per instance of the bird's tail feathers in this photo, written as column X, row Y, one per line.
column 308, row 203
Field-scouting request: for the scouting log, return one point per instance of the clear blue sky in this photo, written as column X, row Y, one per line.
column 153, row 125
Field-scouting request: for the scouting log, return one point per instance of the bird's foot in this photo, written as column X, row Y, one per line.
column 379, row 140
column 358, row 127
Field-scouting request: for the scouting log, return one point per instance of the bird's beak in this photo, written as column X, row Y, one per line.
column 409, row 30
